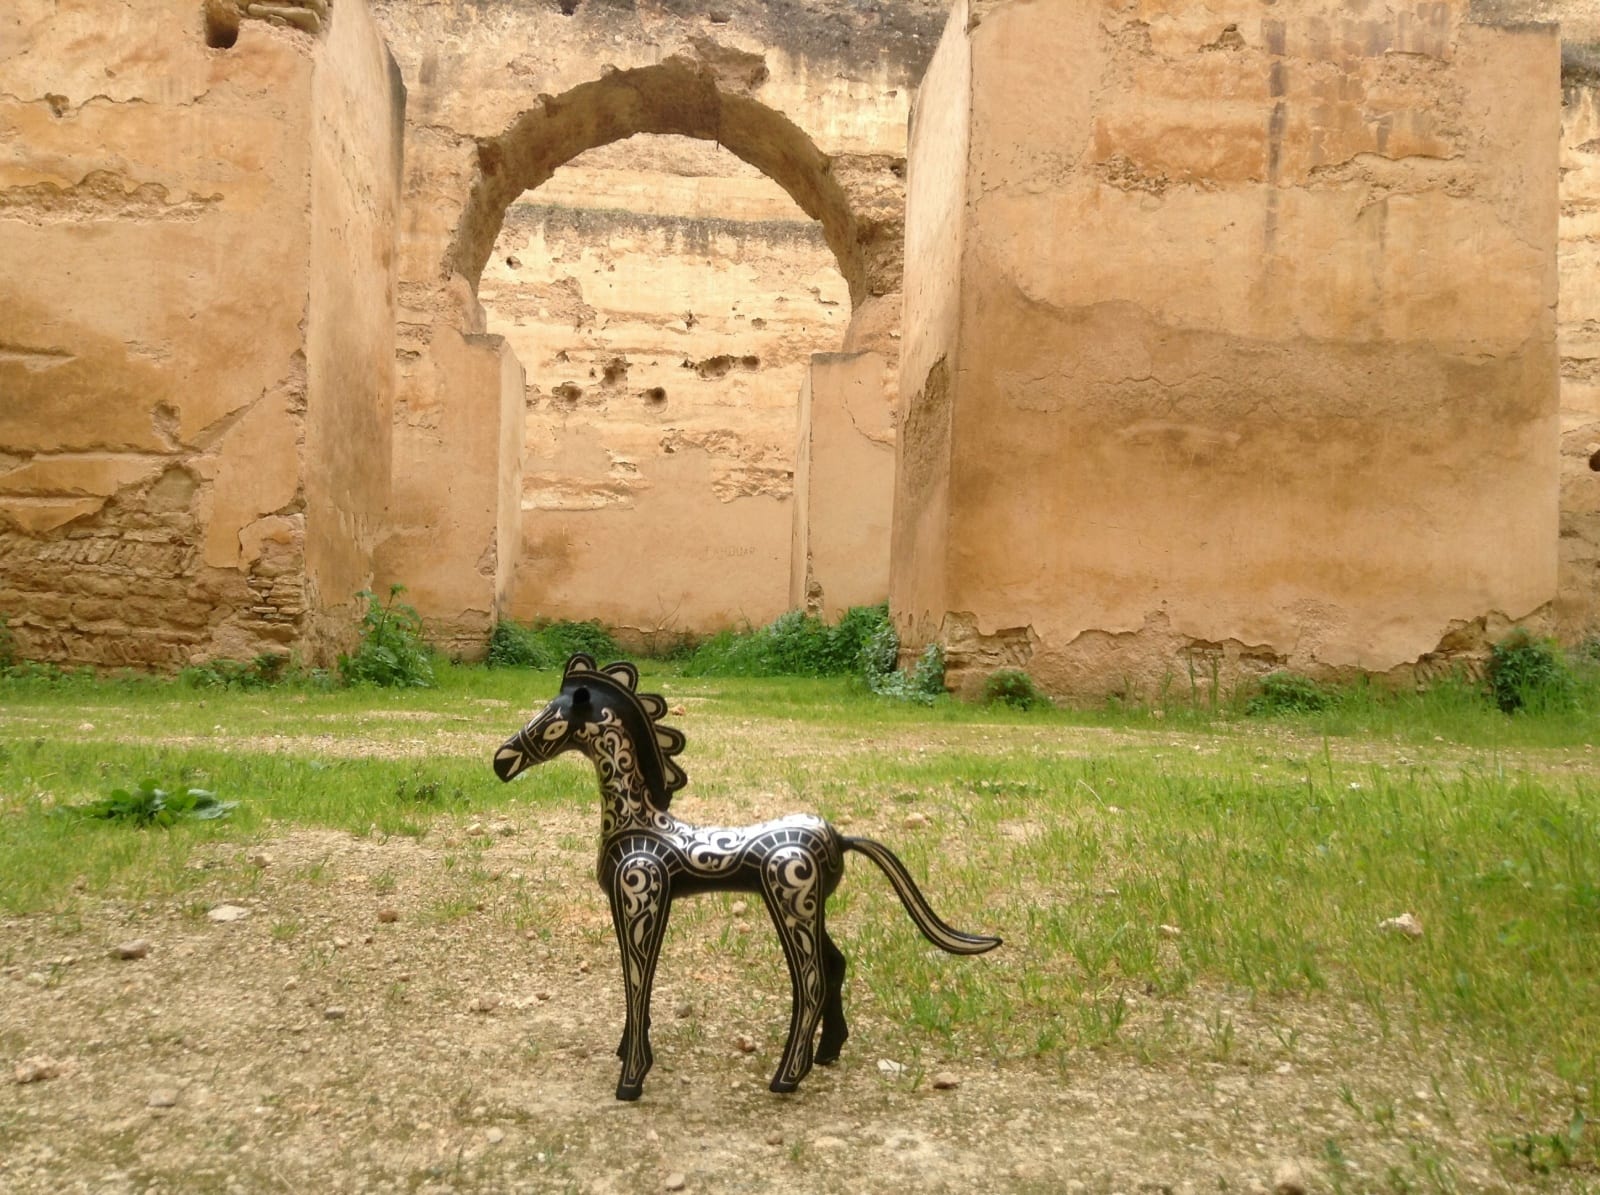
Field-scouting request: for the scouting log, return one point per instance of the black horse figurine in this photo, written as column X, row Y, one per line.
column 647, row 857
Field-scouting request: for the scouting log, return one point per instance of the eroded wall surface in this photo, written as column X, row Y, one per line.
column 844, row 485
column 500, row 96
column 161, row 402
column 1257, row 360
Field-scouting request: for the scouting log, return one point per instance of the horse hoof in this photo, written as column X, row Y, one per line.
column 624, row 1092
column 785, row 1086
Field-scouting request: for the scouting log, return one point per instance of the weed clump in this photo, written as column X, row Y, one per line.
column 1289, row 693
column 8, row 645
column 266, row 670
column 793, row 644
column 547, row 645
column 391, row 652
column 150, row 805
column 1525, row 673
column 1013, row 687
column 878, row 660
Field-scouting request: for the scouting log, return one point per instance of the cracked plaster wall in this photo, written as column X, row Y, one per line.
column 155, row 374
column 1254, row 357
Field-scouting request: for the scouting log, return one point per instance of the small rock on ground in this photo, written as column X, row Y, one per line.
column 1288, row 1179
column 1406, row 924
column 676, row 1181
column 37, row 1069
column 228, row 913
column 137, row 948
column 945, row 1081
column 163, row 1097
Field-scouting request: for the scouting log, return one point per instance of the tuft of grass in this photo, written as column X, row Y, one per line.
column 263, row 672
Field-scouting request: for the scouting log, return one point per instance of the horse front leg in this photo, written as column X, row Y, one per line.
column 789, row 885
column 641, row 899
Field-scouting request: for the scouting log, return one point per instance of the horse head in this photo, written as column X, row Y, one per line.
column 555, row 728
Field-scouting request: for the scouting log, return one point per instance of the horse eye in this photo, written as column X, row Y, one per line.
column 554, row 731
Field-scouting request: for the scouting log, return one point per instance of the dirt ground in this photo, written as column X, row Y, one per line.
column 439, row 1015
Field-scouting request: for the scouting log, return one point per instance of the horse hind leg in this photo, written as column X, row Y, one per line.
column 834, row 1030
column 789, row 885
column 641, row 900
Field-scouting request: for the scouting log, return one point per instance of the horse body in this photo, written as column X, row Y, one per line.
column 647, row 856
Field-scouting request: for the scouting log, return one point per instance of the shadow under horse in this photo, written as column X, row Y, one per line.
column 648, row 857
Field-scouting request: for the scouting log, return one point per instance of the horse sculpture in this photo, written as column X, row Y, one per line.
column 647, row 857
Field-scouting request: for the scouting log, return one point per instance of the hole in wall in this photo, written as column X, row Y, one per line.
column 568, row 392
column 222, row 24
column 1594, row 460
column 656, row 395
column 568, row 7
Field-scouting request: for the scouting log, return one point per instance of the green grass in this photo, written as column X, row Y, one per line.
column 1190, row 886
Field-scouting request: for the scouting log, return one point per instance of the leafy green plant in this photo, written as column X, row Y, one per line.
column 391, row 652
column 923, row 684
column 266, row 670
column 1544, row 1153
column 8, row 645
column 1288, row 693
column 793, row 644
column 546, row 645
column 1013, row 687
column 147, row 804
column 1525, row 673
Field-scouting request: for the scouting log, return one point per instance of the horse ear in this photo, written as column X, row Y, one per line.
column 624, row 674
column 578, row 662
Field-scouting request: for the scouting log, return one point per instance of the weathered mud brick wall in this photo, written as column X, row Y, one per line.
column 194, row 205
column 1244, row 359
column 1578, row 606
column 657, row 494
column 844, row 485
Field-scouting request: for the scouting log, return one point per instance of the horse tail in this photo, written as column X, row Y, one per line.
column 922, row 914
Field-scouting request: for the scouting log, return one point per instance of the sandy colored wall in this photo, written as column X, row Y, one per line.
column 357, row 145
column 844, row 484
column 936, row 190
column 501, row 90
column 1578, row 608
column 1257, row 356
column 160, row 406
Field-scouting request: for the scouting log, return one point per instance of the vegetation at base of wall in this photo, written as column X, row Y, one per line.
column 793, row 644
column 547, row 645
column 263, row 672
column 1525, row 673
column 391, row 651
column 1288, row 693
column 8, row 645
column 1013, row 687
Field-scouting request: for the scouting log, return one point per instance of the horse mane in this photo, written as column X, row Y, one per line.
column 657, row 746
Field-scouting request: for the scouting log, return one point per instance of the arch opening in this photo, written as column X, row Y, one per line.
column 665, row 299
column 707, row 98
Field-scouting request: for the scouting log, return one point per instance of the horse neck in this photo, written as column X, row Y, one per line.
column 626, row 802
